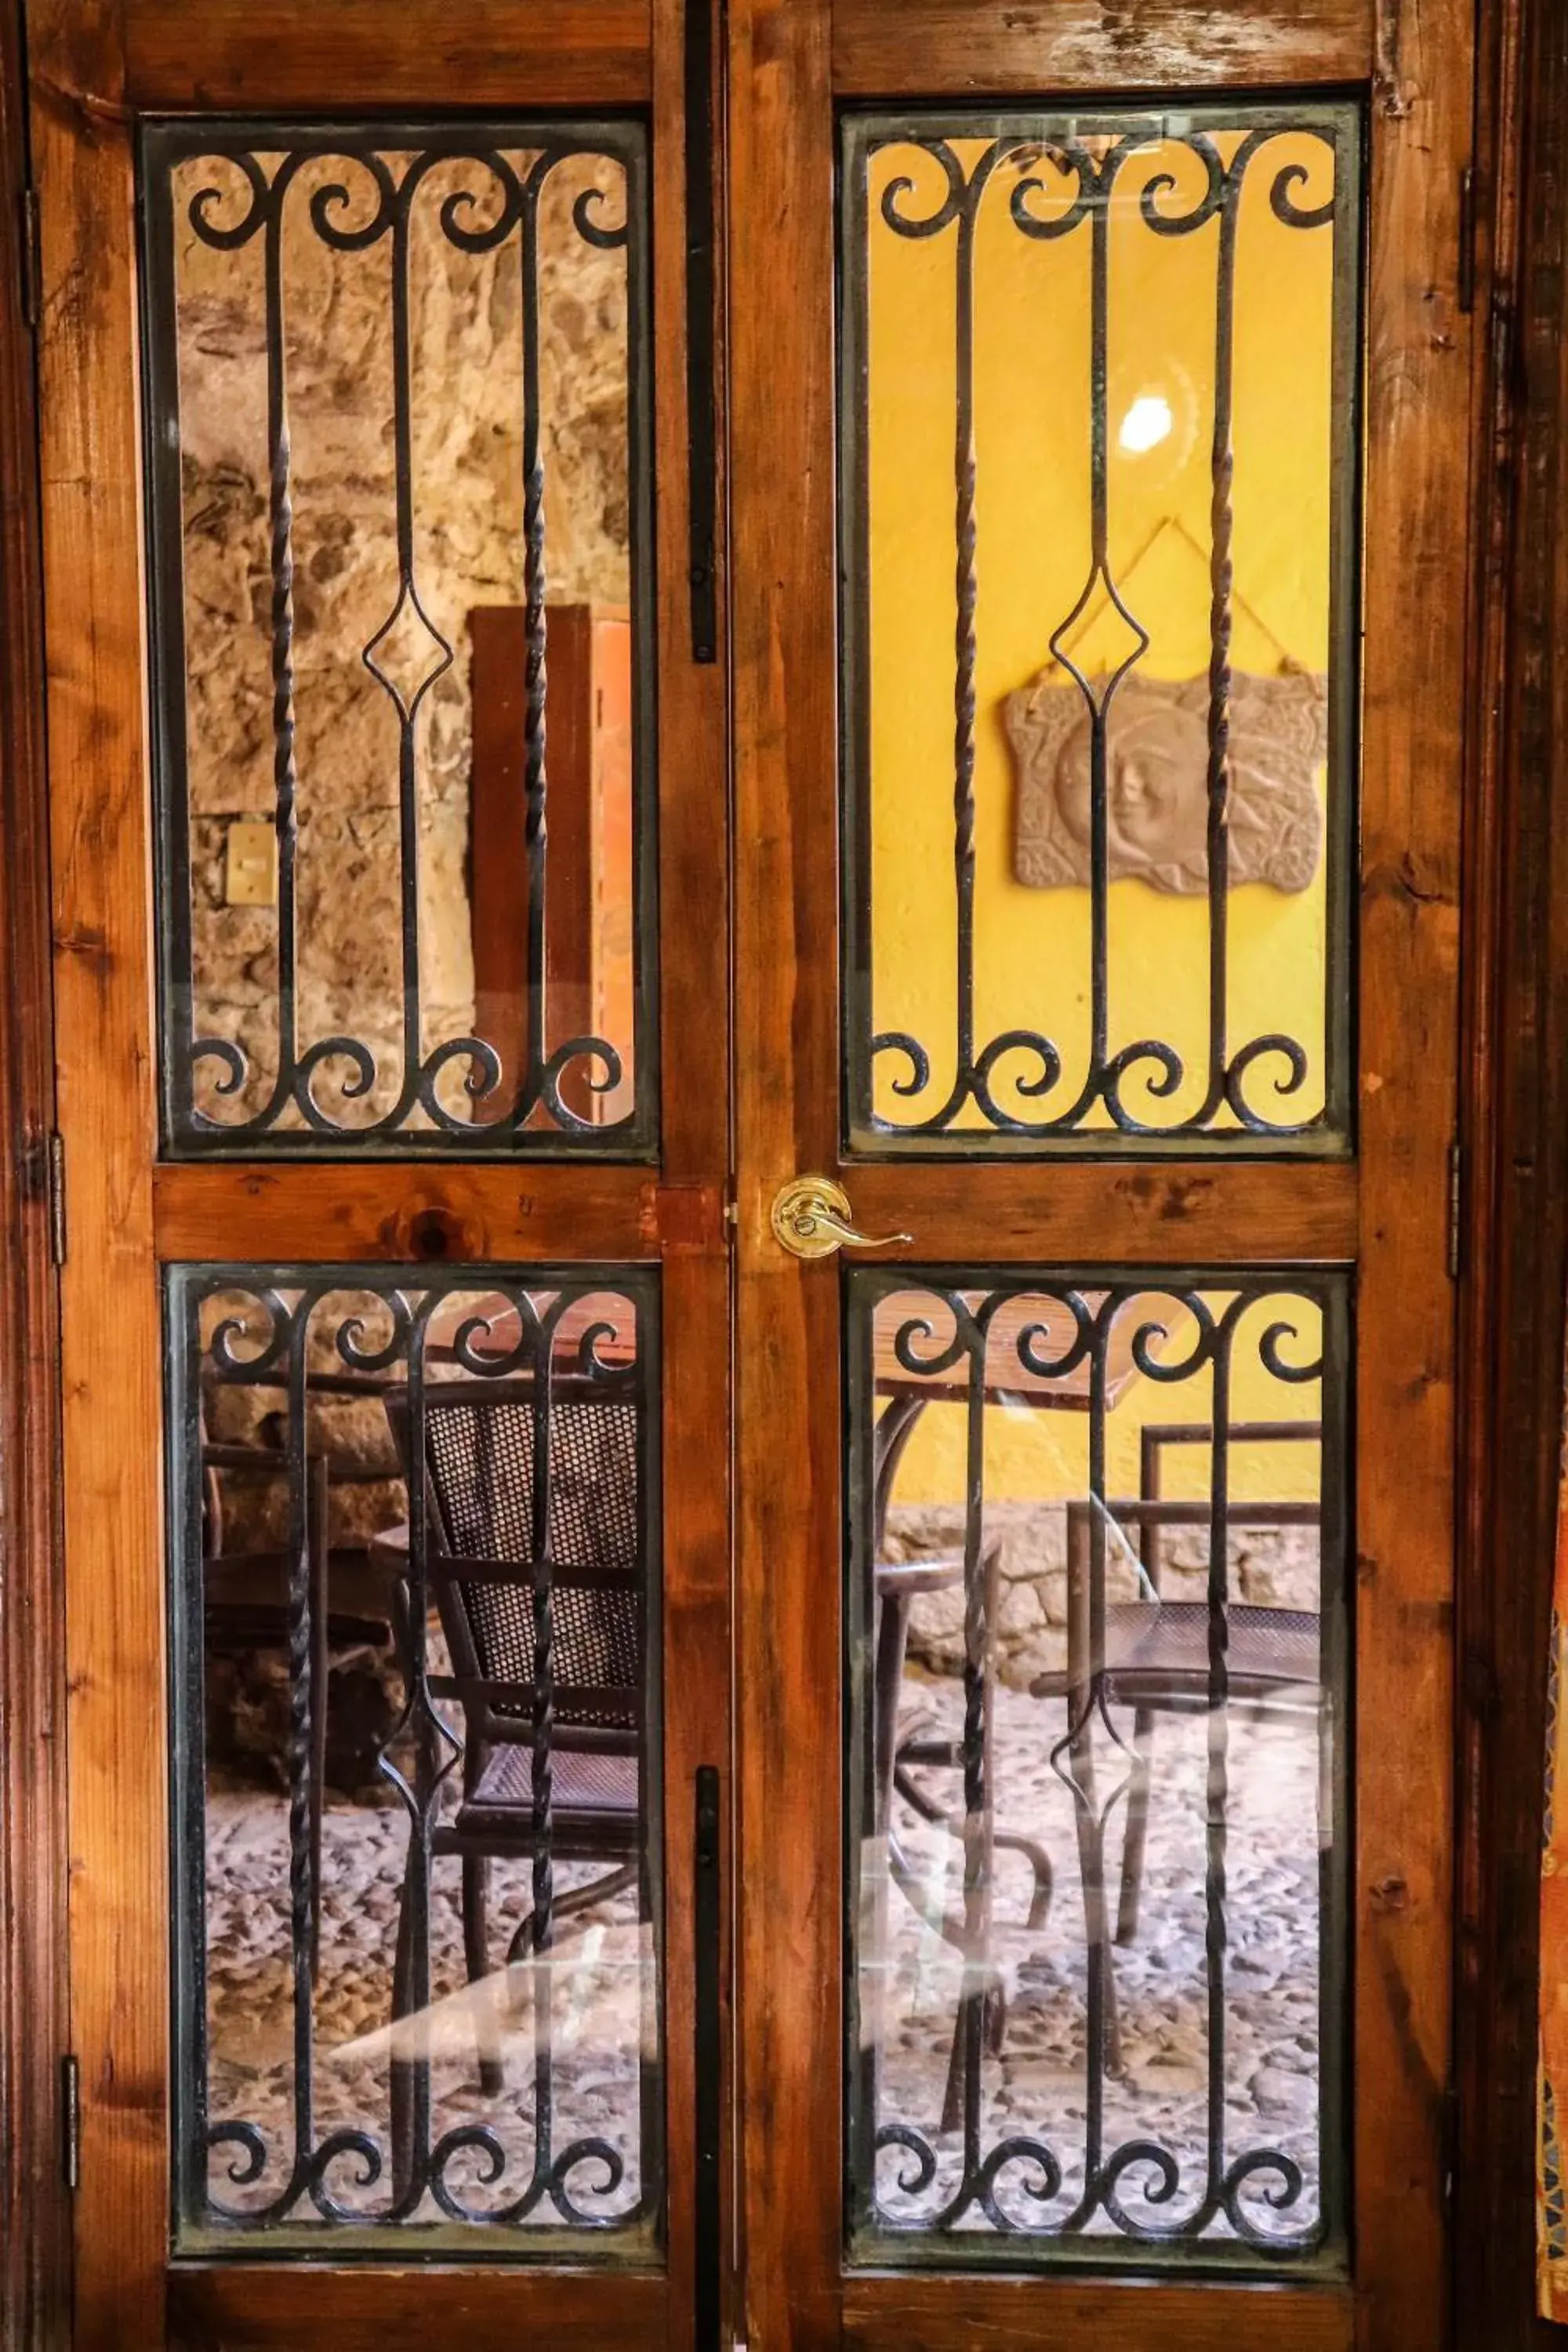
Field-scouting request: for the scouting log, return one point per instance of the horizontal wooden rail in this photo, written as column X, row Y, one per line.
column 883, row 2314
column 1106, row 1213
column 427, row 1213
column 961, row 49
column 243, row 2306
column 271, row 55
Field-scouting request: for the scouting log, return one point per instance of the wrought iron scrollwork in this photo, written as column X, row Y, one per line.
column 1004, row 2171
column 304, row 1336
column 539, row 1105
column 1063, row 181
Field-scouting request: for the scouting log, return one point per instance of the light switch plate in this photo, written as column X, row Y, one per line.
column 250, row 866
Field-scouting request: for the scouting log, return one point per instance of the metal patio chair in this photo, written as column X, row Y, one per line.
column 481, row 1570
column 903, row 1761
column 1156, row 1651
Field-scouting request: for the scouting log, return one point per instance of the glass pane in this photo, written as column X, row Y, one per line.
column 416, row 1628
column 397, row 415
column 1098, row 506
column 1096, row 1627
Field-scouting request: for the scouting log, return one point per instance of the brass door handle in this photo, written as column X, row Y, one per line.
column 810, row 1218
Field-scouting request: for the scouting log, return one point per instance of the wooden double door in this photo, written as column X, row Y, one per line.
column 754, row 734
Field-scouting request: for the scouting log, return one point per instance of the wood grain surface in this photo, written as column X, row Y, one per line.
column 111, row 1354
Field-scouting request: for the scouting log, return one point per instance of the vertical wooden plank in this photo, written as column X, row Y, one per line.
column 693, row 719
column 498, row 853
column 109, row 1355
column 611, row 969
column 695, row 1317
column 34, row 2224
column 694, row 1051
column 1418, row 440
column 787, row 1385
column 573, row 819
column 589, row 967
column 1516, row 1069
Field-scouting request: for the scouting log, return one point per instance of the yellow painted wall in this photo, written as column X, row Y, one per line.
column 1031, row 375
column 1044, row 1455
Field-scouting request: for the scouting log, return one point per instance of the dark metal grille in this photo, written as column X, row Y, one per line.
column 518, row 1580
column 1035, row 2159
column 1055, row 177
column 362, row 191
column 481, row 1462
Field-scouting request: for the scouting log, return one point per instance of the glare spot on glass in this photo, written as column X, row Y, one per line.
column 1146, row 424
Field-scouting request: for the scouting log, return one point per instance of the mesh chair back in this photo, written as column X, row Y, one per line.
column 481, row 1451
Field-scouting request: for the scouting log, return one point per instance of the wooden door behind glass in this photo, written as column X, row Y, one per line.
column 1098, row 858
column 394, row 1196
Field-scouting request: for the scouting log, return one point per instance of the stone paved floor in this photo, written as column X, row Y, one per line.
column 1035, row 2085
column 603, row 1976
column 1038, row 2084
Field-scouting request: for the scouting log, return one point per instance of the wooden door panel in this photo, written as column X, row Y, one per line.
column 1373, row 1222
column 948, row 1214
column 95, row 74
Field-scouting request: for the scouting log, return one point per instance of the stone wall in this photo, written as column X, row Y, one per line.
column 466, row 351
column 466, row 342
column 1276, row 1567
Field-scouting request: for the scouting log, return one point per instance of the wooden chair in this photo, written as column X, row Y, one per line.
column 483, row 1576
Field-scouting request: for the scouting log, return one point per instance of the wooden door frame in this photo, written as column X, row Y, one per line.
column 1516, row 1225
column 35, row 2221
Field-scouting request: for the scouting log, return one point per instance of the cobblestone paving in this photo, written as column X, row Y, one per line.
column 598, row 2013
column 1037, row 2083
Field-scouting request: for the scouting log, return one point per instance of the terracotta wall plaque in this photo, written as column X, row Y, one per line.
column 1157, row 779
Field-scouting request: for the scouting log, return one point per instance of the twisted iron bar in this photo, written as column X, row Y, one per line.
column 1084, row 179
column 535, row 669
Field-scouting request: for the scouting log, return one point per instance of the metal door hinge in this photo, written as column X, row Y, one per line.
column 71, row 2121
column 1467, row 287
column 1455, row 1210
column 56, row 1184
column 27, row 256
